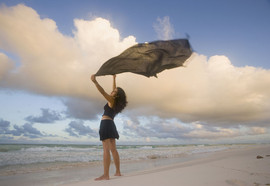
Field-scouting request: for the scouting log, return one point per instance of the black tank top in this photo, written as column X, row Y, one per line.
column 108, row 111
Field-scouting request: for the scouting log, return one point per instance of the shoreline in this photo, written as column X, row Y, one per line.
column 52, row 174
column 184, row 168
column 23, row 159
column 235, row 167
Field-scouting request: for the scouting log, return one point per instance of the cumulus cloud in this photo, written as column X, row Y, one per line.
column 156, row 127
column 83, row 109
column 211, row 90
column 257, row 130
column 26, row 130
column 4, row 126
column 50, row 62
column 164, row 28
column 5, row 66
column 174, row 129
column 78, row 129
column 47, row 116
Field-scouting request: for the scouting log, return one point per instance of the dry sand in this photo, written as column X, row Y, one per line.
column 233, row 167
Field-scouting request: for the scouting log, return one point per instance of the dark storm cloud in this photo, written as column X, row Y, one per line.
column 156, row 127
column 77, row 129
column 83, row 109
column 26, row 130
column 47, row 116
column 4, row 126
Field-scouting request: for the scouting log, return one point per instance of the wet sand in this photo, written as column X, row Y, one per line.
column 232, row 167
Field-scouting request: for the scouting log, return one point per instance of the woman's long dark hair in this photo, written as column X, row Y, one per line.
column 120, row 101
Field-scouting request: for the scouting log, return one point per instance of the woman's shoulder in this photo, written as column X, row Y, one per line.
column 110, row 104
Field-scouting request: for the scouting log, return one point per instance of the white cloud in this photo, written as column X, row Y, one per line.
column 174, row 129
column 217, row 134
column 212, row 91
column 51, row 63
column 164, row 28
column 258, row 130
column 5, row 66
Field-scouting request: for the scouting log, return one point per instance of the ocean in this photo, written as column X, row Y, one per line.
column 55, row 164
column 30, row 154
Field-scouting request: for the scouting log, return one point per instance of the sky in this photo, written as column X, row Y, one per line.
column 49, row 49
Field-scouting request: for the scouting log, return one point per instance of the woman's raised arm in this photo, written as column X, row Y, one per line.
column 101, row 90
column 114, row 82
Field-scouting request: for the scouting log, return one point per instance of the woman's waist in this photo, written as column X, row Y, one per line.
column 105, row 117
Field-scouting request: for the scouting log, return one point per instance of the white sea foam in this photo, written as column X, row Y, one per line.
column 29, row 154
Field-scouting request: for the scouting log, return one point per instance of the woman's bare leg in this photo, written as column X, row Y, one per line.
column 116, row 158
column 106, row 160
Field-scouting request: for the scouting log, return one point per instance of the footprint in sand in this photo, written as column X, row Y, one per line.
column 236, row 182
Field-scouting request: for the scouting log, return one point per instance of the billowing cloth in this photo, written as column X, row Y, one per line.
column 148, row 59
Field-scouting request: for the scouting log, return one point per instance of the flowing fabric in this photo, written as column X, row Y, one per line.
column 148, row 59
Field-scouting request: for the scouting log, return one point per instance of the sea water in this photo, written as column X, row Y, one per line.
column 26, row 154
column 54, row 164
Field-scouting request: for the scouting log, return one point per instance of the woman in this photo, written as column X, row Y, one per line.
column 107, row 132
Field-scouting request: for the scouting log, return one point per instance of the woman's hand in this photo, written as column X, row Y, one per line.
column 114, row 82
column 93, row 78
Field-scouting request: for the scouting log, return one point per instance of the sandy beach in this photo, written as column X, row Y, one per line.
column 235, row 167
column 198, row 165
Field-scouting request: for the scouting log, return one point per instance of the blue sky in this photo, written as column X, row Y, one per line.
column 49, row 49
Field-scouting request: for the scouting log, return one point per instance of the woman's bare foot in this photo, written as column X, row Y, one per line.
column 102, row 178
column 117, row 174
